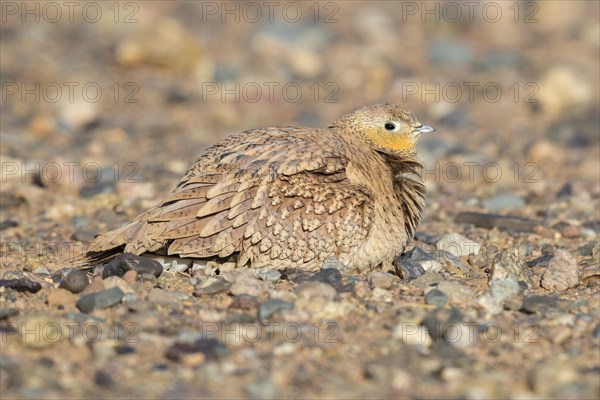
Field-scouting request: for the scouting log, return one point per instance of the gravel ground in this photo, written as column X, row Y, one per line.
column 105, row 105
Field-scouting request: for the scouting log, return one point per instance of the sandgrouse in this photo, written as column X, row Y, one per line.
column 291, row 197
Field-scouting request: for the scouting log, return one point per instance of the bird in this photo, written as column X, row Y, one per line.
column 291, row 197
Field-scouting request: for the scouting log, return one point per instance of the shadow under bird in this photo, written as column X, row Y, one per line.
column 284, row 197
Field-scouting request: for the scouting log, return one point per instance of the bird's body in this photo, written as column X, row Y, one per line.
column 291, row 197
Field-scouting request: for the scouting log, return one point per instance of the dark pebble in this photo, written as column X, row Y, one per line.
column 438, row 321
column 436, row 297
column 408, row 269
column 8, row 312
column 541, row 261
column 533, row 304
column 586, row 250
column 8, row 223
column 98, row 188
column 502, row 222
column 21, row 285
column 124, row 349
column 130, row 262
column 418, row 254
column 596, row 331
column 332, row 277
column 272, row 306
column 75, row 281
column 450, row 258
column 103, row 379
column 100, row 300
column 213, row 349
column 83, row 236
column 219, row 286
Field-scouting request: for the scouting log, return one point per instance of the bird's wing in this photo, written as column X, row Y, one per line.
column 271, row 192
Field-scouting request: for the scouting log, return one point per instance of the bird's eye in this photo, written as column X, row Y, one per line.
column 390, row 126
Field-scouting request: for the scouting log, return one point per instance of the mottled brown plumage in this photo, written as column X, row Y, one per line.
column 291, row 197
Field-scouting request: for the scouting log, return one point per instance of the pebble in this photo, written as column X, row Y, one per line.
column 269, row 307
column 436, row 297
column 21, row 285
column 535, row 304
column 412, row 333
column 382, row 280
column 61, row 297
column 316, row 290
column 96, row 285
column 103, row 379
column 590, row 275
column 130, row 262
column 562, row 272
column 244, row 302
column 407, row 268
column 268, row 274
column 247, row 283
column 458, row 245
column 332, row 277
column 504, row 201
column 100, row 300
column 41, row 331
column 75, row 281
column 501, row 222
column 8, row 312
column 212, row 285
column 571, row 232
column 211, row 348
column 596, row 331
column 502, row 289
column 509, row 263
column 115, row 281
column 130, row 276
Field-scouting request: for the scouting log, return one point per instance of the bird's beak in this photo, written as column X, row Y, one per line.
column 425, row 129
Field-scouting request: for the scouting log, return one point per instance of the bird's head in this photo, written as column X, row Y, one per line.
column 387, row 127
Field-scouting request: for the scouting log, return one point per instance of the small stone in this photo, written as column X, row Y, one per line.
column 75, row 281
column 407, row 268
column 436, row 297
column 534, row 304
column 211, row 348
column 103, row 379
column 596, row 331
column 320, row 290
column 427, row 279
column 41, row 271
column 504, row 201
column 130, row 276
column 562, row 272
column 61, row 297
column 247, row 283
column 502, row 289
column 100, row 300
column 8, row 312
column 431, row 265
column 244, row 302
column 419, row 255
column 115, row 281
column 212, row 285
column 269, row 307
column 130, row 262
column 21, row 285
column 96, row 285
column 332, row 277
column 380, row 279
column 412, row 333
column 268, row 274
column 458, row 245
column 501, row 222
column 571, row 232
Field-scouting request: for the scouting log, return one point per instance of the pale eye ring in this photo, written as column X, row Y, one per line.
column 390, row 126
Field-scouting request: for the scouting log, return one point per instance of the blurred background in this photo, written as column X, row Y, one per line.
column 154, row 83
